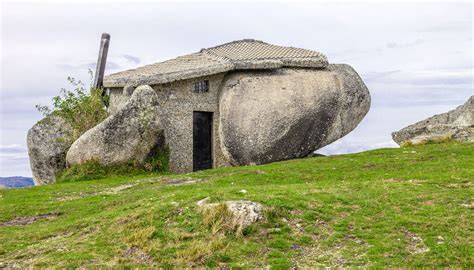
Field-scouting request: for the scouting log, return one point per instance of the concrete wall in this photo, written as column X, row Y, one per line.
column 177, row 103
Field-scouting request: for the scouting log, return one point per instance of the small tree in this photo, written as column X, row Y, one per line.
column 82, row 109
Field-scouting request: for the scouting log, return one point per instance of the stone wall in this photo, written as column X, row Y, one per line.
column 177, row 101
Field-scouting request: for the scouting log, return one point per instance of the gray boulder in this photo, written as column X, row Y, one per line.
column 47, row 144
column 244, row 212
column 132, row 133
column 267, row 116
column 457, row 124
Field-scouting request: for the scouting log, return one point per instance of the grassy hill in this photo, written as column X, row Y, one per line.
column 407, row 207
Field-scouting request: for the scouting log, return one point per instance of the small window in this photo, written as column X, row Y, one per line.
column 201, row 87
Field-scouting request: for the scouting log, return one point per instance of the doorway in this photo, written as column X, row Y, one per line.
column 202, row 140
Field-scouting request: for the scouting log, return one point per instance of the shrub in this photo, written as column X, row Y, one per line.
column 93, row 169
column 82, row 109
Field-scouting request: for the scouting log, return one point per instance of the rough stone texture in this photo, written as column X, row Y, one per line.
column 457, row 124
column 131, row 133
column 244, row 212
column 267, row 116
column 47, row 147
column 178, row 104
column 118, row 97
column 235, row 55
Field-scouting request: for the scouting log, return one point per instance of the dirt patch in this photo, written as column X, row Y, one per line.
column 109, row 191
column 138, row 256
column 415, row 243
column 468, row 204
column 19, row 221
column 182, row 181
column 416, row 182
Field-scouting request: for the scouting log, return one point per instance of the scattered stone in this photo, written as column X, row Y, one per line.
column 48, row 142
column 440, row 240
column 457, row 124
column 28, row 220
column 132, row 133
column 245, row 212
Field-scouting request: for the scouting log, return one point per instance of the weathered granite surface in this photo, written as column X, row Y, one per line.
column 132, row 133
column 244, row 212
column 268, row 116
column 457, row 124
column 47, row 146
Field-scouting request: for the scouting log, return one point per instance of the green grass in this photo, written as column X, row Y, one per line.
column 409, row 207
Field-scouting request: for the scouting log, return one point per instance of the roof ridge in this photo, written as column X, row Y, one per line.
column 233, row 42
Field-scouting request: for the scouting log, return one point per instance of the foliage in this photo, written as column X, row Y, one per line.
column 82, row 109
column 388, row 208
column 92, row 169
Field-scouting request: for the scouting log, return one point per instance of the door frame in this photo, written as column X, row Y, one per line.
column 211, row 131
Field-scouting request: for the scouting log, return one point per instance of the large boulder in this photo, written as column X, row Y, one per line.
column 267, row 116
column 132, row 133
column 457, row 124
column 47, row 144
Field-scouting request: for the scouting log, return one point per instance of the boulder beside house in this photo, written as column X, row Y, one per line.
column 48, row 144
column 240, row 103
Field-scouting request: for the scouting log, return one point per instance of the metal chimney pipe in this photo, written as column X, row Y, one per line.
column 99, row 71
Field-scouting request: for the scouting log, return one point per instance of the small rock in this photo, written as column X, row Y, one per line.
column 203, row 201
column 243, row 191
column 174, row 203
column 245, row 212
column 440, row 240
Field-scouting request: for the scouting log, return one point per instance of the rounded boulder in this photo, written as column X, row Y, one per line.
column 268, row 116
column 132, row 133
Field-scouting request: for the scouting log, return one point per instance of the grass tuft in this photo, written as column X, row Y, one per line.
column 219, row 219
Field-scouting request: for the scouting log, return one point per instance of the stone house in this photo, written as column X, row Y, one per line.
column 200, row 103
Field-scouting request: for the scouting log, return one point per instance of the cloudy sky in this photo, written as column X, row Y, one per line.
column 416, row 59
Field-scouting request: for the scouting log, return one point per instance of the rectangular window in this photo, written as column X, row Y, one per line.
column 201, row 87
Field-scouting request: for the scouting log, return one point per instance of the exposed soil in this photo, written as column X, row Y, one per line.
column 415, row 244
column 138, row 256
column 18, row 221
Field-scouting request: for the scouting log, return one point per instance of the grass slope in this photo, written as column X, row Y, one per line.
column 407, row 207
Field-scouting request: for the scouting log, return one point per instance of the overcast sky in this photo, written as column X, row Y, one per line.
column 416, row 59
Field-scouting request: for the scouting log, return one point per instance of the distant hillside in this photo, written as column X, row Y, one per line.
column 409, row 208
column 16, row 181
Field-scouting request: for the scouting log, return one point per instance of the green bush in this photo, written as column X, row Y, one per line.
column 82, row 109
column 92, row 169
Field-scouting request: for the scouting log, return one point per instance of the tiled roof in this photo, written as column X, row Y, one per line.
column 236, row 55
